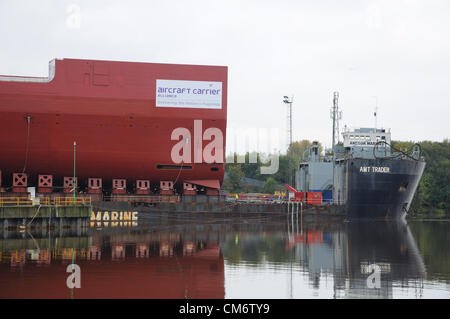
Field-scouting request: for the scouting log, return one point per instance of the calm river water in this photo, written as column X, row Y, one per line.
column 192, row 256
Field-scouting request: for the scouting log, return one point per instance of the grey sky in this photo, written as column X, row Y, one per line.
column 398, row 51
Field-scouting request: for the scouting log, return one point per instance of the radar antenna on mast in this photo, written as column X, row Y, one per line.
column 375, row 113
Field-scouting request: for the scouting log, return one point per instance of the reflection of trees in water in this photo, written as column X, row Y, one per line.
column 255, row 249
column 433, row 241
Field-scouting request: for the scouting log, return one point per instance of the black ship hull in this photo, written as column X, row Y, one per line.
column 381, row 188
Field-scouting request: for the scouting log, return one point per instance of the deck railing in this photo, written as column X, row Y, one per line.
column 15, row 202
column 45, row 201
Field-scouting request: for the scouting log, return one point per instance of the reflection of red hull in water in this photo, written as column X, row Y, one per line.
column 109, row 108
column 154, row 277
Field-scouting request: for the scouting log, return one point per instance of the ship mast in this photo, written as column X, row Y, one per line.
column 336, row 115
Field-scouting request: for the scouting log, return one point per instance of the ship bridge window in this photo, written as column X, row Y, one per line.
column 171, row 166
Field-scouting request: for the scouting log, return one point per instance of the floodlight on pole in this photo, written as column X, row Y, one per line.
column 288, row 101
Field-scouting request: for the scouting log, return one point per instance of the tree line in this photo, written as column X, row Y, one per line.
column 433, row 193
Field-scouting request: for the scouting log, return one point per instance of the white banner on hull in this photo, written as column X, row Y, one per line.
column 189, row 94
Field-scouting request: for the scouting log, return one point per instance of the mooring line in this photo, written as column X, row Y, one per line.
column 37, row 211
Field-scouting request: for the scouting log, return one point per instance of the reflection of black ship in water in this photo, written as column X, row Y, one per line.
column 187, row 259
column 389, row 246
column 352, row 255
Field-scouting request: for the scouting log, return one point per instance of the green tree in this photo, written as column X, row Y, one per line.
column 297, row 149
column 252, row 170
column 433, row 193
column 270, row 185
column 234, row 177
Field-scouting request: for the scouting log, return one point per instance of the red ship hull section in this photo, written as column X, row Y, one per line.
column 109, row 109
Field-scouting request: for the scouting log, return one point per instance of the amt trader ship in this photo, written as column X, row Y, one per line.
column 365, row 176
